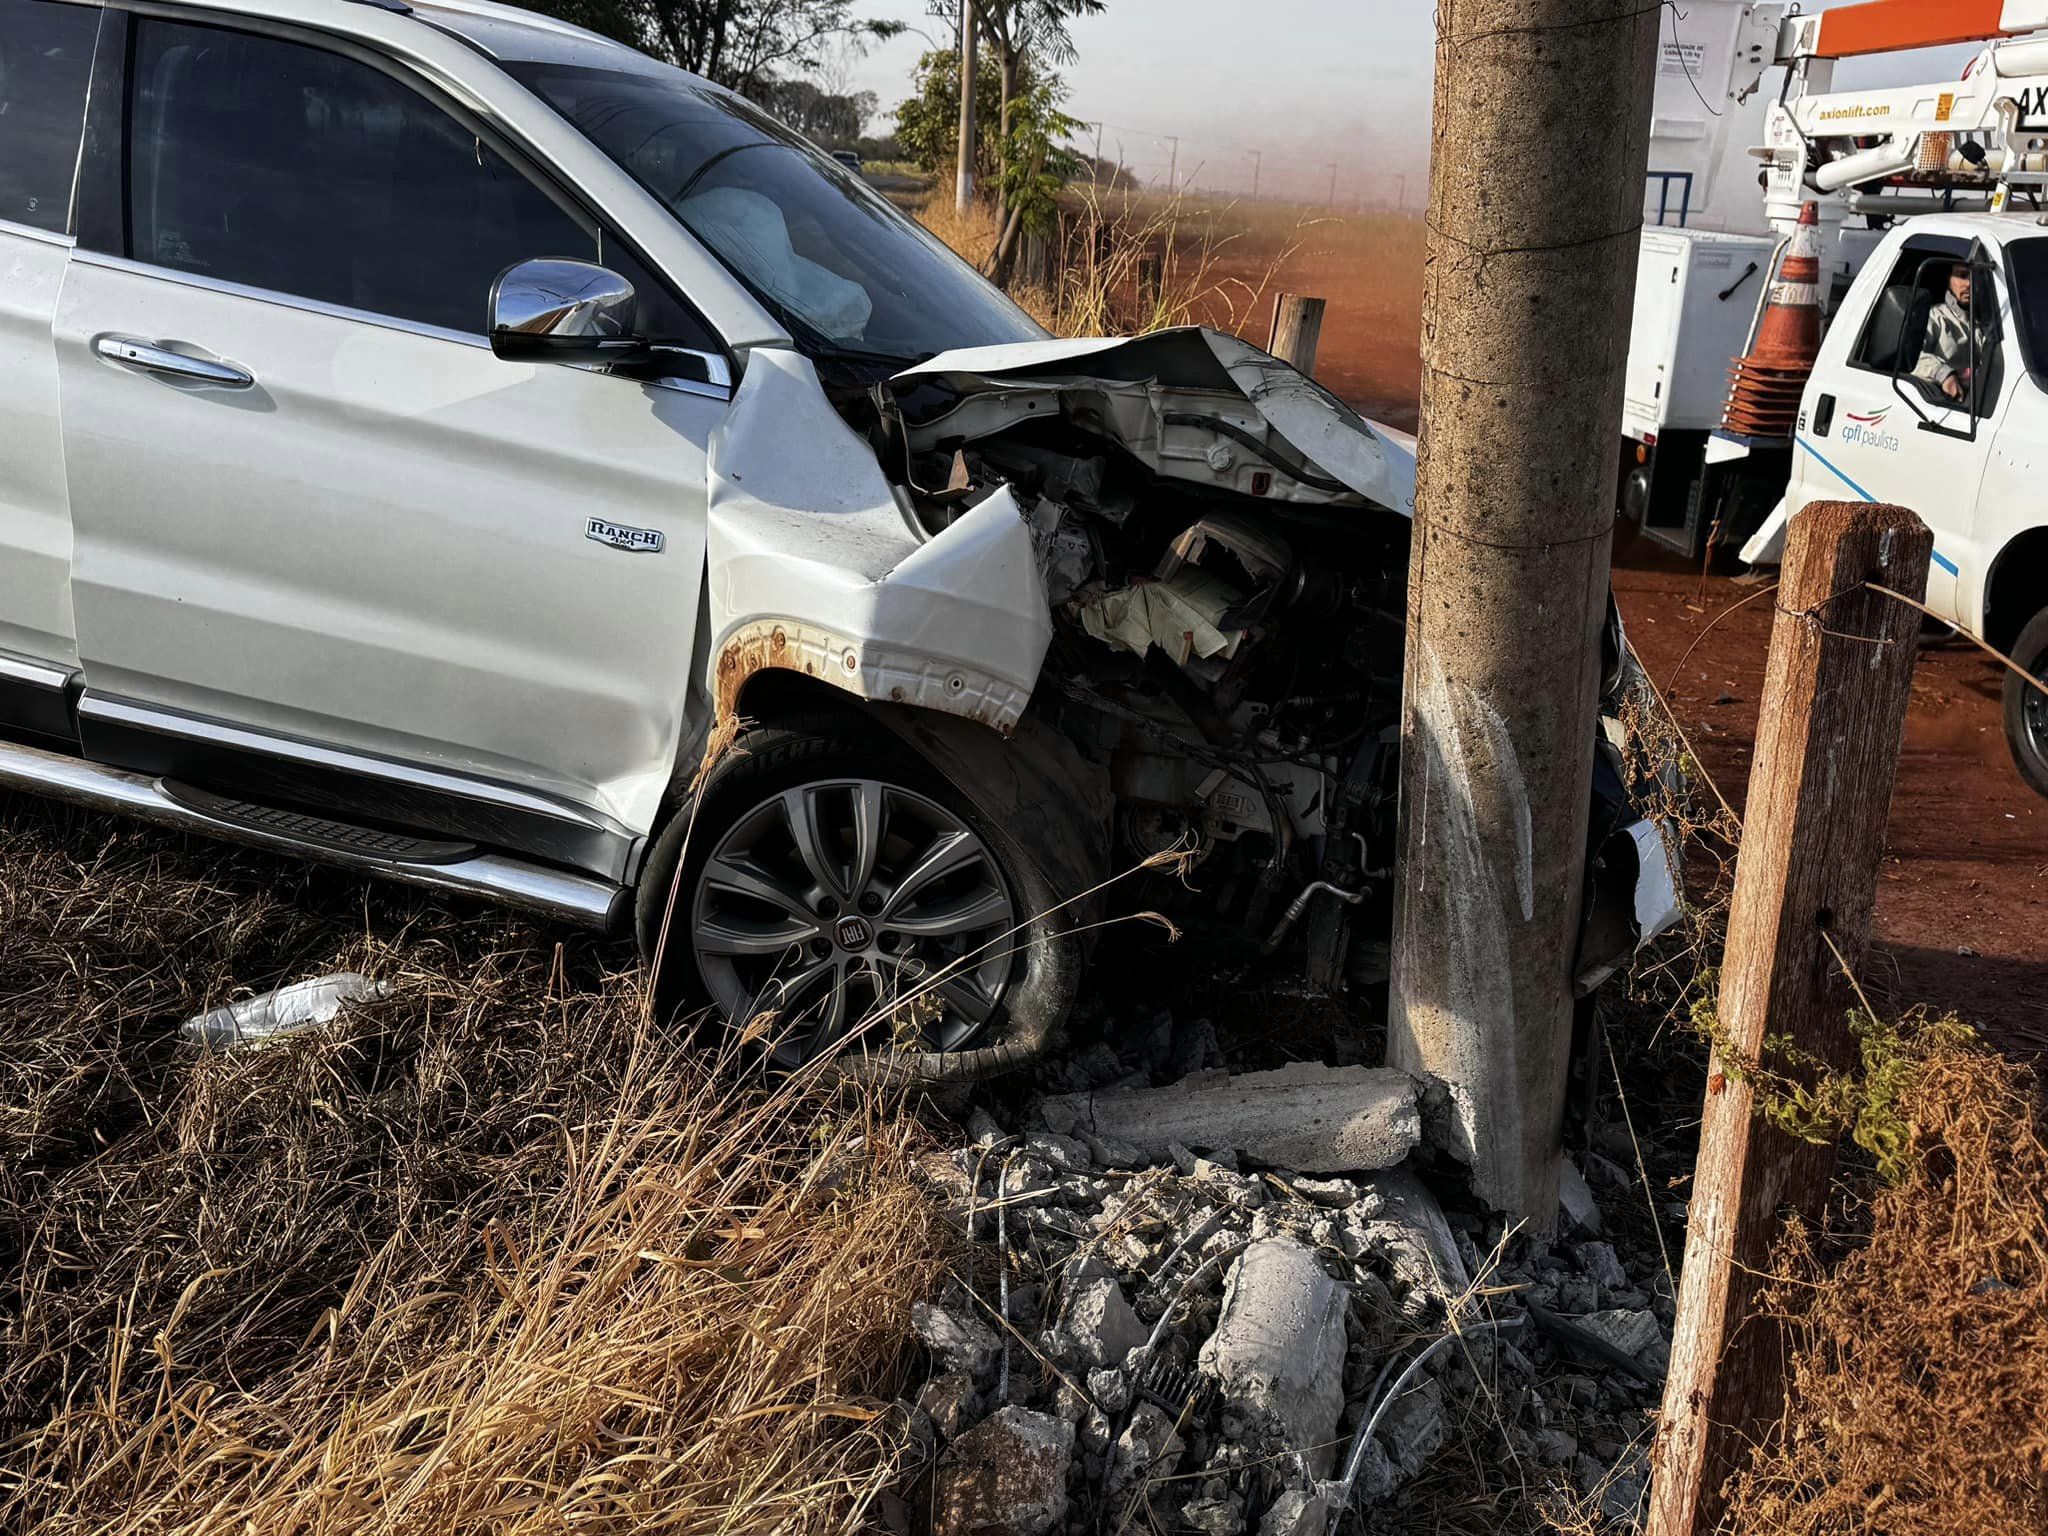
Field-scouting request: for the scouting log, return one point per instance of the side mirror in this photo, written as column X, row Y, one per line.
column 562, row 311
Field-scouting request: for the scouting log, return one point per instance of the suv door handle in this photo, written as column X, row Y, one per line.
column 155, row 359
column 1823, row 415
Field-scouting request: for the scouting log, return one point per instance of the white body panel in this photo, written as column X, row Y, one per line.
column 380, row 545
column 35, row 526
column 1685, row 332
column 1705, row 114
column 1977, row 495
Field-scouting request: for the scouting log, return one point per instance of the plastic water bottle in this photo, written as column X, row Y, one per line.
column 257, row 1020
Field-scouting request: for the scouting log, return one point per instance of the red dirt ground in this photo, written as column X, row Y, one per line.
column 1962, row 903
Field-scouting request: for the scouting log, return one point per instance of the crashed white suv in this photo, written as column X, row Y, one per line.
column 422, row 425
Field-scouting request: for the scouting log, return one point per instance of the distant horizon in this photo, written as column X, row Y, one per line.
column 1355, row 90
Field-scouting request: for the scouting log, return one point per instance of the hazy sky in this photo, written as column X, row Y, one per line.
column 1306, row 82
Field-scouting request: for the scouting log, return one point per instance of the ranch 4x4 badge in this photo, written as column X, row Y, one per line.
column 641, row 541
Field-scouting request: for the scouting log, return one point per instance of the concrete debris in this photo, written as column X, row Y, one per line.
column 1296, row 1513
column 1005, row 1477
column 1602, row 1265
column 1409, row 1224
column 1307, row 1117
column 949, row 1400
column 958, row 1342
column 1100, row 1328
column 1148, row 1447
column 1575, row 1199
column 1629, row 1331
column 1213, row 1318
column 1277, row 1354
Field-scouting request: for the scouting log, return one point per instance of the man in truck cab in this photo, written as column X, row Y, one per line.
column 1957, row 342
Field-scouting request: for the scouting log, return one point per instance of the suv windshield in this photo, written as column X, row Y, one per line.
column 2029, row 260
column 831, row 258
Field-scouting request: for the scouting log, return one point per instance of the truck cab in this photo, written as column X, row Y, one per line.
column 1968, row 463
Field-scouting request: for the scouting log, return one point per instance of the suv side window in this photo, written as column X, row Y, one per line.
column 45, row 61
column 282, row 166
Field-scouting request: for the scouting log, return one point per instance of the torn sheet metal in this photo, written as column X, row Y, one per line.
column 1191, row 403
column 802, row 522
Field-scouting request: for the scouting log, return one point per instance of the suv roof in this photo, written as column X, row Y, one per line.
column 511, row 35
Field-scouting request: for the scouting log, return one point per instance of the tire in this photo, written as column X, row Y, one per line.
column 912, row 975
column 2026, row 707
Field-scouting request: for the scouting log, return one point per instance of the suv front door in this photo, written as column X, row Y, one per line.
column 322, row 533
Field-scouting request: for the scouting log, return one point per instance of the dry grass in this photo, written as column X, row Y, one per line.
column 1136, row 262
column 493, row 1255
column 1920, row 1360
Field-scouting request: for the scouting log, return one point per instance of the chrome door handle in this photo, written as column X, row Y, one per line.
column 154, row 359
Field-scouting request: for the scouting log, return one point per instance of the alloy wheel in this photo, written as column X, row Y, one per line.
column 854, row 909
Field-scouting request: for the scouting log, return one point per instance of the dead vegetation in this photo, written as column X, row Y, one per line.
column 1126, row 263
column 493, row 1255
column 1919, row 1357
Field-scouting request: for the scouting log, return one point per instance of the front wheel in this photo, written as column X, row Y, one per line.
column 837, row 896
column 2026, row 707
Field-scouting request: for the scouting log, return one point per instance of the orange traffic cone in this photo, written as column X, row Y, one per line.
column 1764, row 400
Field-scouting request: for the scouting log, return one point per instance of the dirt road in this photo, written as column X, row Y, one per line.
column 1962, row 905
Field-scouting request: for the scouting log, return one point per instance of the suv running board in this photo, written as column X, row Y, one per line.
column 453, row 867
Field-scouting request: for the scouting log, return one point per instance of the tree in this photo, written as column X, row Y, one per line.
column 832, row 119
column 737, row 43
column 1020, row 32
column 928, row 123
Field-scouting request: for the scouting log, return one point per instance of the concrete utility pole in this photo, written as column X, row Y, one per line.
column 1173, row 165
column 1541, row 142
column 963, row 186
column 1257, row 156
column 1827, row 757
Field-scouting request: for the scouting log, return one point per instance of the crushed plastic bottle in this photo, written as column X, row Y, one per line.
column 263, row 1018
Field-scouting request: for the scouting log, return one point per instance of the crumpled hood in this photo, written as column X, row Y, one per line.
column 1147, row 373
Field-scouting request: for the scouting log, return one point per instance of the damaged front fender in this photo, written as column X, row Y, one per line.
column 802, row 522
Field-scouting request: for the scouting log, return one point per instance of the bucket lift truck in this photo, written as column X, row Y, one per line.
column 1948, row 180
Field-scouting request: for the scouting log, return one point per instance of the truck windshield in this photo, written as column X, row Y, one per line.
column 2030, row 301
column 832, row 259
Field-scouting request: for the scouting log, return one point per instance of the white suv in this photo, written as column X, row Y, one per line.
column 423, row 424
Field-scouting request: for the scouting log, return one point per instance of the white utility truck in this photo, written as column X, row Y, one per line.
column 1918, row 397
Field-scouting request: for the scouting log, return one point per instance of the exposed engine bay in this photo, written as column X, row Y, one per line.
column 1223, row 548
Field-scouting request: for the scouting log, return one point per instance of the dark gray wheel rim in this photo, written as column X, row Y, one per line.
column 853, row 909
column 2034, row 716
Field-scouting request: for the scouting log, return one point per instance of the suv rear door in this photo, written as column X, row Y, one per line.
column 324, row 537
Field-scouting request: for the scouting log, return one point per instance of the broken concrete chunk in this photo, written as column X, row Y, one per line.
column 1575, row 1199
column 1308, row 1117
column 1296, row 1513
column 1061, row 1152
column 1603, row 1265
column 1277, row 1354
column 1631, row 1332
column 1419, row 1244
column 1413, row 1429
column 957, row 1342
column 1147, row 1447
column 1007, row 1476
column 949, row 1399
column 1223, row 1516
column 1100, row 1328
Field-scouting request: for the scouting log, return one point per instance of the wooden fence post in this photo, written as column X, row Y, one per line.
column 1297, row 327
column 1827, row 755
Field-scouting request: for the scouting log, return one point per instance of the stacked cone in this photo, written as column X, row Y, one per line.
column 1764, row 398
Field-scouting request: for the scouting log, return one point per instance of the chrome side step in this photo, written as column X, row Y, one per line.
column 454, row 868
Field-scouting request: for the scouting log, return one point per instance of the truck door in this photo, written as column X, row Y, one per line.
column 1877, row 426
